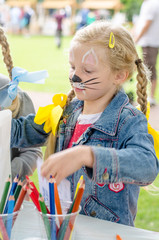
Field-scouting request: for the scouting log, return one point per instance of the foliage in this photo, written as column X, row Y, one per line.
column 131, row 8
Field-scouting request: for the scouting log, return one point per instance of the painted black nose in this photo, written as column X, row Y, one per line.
column 75, row 78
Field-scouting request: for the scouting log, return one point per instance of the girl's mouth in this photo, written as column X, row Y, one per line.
column 78, row 86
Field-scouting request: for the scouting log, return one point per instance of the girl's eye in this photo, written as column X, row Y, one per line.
column 72, row 67
column 87, row 71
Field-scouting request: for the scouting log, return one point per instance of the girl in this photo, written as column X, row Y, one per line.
column 23, row 160
column 100, row 135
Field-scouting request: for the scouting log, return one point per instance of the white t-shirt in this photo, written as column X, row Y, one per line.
column 149, row 11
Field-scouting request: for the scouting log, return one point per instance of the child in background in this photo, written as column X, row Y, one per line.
column 100, row 134
column 23, row 160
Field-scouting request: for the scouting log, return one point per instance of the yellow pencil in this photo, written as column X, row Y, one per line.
column 78, row 184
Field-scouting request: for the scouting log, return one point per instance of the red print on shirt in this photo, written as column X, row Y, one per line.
column 116, row 187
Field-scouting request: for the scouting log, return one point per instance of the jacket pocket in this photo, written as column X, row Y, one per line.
column 94, row 208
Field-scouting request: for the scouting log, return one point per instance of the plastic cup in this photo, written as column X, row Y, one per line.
column 58, row 227
column 7, row 223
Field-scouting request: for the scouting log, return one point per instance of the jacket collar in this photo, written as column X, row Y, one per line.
column 108, row 121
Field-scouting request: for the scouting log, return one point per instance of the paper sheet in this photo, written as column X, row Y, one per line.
column 64, row 189
column 5, row 164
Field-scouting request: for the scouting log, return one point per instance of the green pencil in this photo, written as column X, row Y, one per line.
column 18, row 189
column 45, row 217
column 5, row 194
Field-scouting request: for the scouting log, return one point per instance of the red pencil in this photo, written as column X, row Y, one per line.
column 32, row 186
column 3, row 230
column 20, row 198
column 33, row 198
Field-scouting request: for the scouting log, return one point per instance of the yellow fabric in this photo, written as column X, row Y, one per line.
column 152, row 131
column 52, row 113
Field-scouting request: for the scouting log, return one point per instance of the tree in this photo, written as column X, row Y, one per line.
column 131, row 8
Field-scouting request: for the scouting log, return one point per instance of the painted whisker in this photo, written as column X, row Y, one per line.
column 89, row 80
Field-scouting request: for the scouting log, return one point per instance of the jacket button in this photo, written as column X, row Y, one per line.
column 105, row 176
column 93, row 214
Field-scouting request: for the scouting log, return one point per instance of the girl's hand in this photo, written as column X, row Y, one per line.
column 64, row 163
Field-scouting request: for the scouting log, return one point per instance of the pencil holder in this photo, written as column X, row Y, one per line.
column 7, row 224
column 58, row 227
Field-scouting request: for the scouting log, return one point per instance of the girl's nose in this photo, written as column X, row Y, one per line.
column 75, row 78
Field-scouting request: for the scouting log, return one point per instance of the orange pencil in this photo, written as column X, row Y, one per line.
column 118, row 237
column 75, row 208
column 79, row 196
column 57, row 201
column 33, row 198
column 20, row 198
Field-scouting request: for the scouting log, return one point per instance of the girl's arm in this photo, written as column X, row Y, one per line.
column 25, row 161
column 135, row 161
column 26, row 133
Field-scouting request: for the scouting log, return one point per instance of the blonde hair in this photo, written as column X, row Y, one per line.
column 9, row 65
column 123, row 56
column 51, row 141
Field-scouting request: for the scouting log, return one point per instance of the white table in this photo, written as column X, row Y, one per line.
column 86, row 228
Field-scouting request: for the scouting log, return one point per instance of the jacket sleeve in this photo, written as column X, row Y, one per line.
column 134, row 161
column 26, row 133
column 25, row 162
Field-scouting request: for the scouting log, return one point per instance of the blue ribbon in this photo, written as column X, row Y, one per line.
column 9, row 92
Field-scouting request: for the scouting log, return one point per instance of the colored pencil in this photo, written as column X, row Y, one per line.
column 13, row 188
column 45, row 217
column 11, row 203
column 32, row 186
column 18, row 189
column 5, row 194
column 78, row 184
column 52, row 208
column 67, row 225
column 75, row 209
column 52, row 195
column 3, row 230
column 79, row 196
column 20, row 198
column 33, row 198
column 118, row 237
column 57, row 202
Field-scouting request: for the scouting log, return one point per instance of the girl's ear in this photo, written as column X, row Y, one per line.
column 121, row 77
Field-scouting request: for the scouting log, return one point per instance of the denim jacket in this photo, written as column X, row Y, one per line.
column 124, row 156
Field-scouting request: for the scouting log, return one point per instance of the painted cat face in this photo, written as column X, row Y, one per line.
column 89, row 75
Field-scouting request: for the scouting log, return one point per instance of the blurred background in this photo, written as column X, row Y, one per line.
column 39, row 34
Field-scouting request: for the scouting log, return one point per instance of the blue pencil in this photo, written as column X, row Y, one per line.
column 13, row 188
column 11, row 204
column 52, row 196
column 52, row 208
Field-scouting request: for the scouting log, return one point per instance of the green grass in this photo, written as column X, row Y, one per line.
column 40, row 52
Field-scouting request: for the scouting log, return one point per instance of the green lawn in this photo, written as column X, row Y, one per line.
column 40, row 52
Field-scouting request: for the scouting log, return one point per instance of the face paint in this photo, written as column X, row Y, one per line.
column 75, row 78
column 71, row 56
column 90, row 57
column 77, row 82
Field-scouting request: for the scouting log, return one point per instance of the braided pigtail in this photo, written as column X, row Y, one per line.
column 142, row 80
column 51, row 141
column 9, row 65
column 6, row 52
